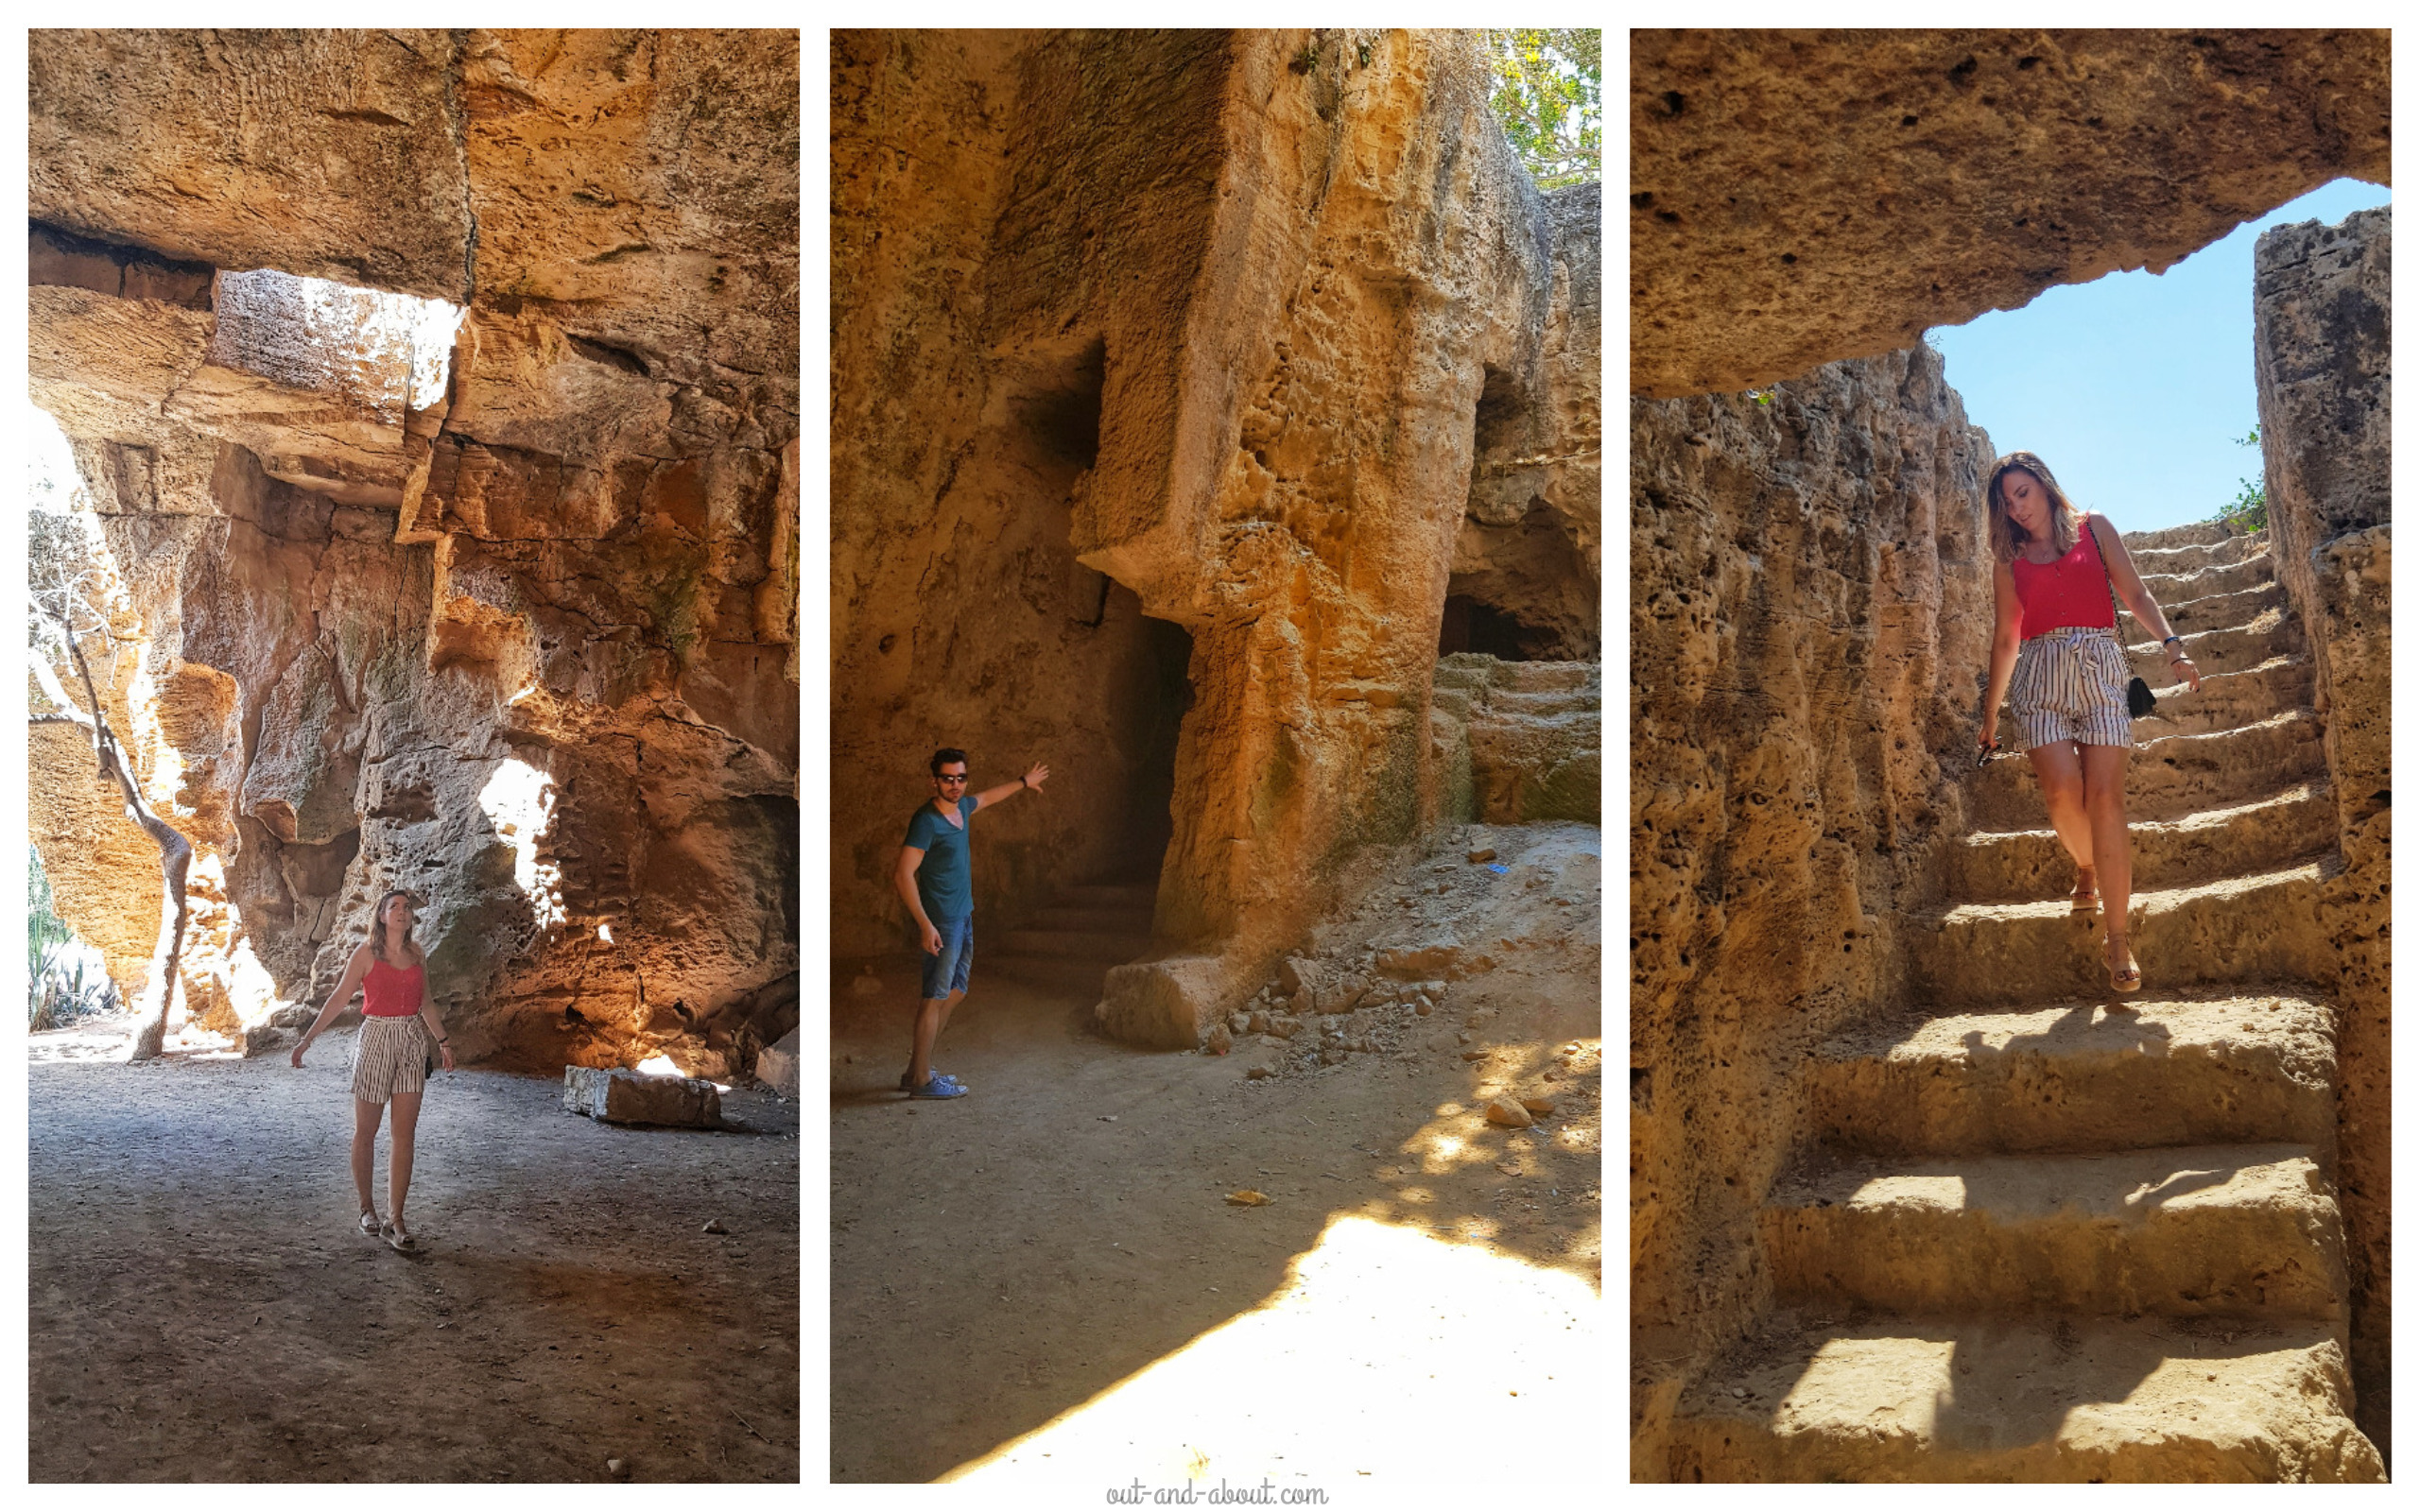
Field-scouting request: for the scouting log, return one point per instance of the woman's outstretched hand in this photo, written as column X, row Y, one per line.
column 2183, row 671
column 300, row 1046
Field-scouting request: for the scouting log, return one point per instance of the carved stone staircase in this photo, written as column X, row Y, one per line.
column 2047, row 1233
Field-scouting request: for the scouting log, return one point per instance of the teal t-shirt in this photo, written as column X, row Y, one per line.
column 946, row 879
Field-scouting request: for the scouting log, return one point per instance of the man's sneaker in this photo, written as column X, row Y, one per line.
column 939, row 1086
column 941, row 1075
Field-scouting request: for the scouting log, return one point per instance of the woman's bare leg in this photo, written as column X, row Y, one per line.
column 365, row 1148
column 399, row 1155
column 2061, row 774
column 2105, row 799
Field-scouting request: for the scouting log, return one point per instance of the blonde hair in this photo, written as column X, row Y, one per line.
column 2008, row 536
column 378, row 930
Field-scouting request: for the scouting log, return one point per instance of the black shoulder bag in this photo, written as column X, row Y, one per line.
column 2139, row 700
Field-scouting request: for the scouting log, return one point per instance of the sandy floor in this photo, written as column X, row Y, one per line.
column 203, row 1308
column 1043, row 1280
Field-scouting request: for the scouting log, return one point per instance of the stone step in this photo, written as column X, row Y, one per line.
column 1141, row 896
column 1051, row 973
column 1093, row 919
column 2235, row 1230
column 2241, row 929
column 1081, row 945
column 2168, row 777
column 1554, row 704
column 2213, row 611
column 2270, row 834
column 2036, row 1400
column 2233, row 649
column 2229, row 701
column 2210, row 581
column 2083, row 1076
column 2174, row 560
column 2200, row 533
column 1546, row 677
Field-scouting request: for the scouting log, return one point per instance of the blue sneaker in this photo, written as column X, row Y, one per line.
column 939, row 1086
column 939, row 1074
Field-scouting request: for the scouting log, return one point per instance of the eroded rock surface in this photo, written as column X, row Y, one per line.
column 1810, row 607
column 2321, row 312
column 1160, row 367
column 496, row 604
column 1801, row 196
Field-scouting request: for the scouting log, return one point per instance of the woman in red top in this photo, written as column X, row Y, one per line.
column 2056, row 655
column 389, row 1057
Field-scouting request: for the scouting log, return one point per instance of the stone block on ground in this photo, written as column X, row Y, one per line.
column 618, row 1095
column 777, row 1065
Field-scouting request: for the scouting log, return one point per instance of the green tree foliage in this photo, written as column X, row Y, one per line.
column 1549, row 93
column 2249, row 508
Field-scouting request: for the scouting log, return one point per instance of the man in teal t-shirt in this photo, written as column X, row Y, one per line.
column 936, row 878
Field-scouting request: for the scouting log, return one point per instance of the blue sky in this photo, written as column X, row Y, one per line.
column 2133, row 387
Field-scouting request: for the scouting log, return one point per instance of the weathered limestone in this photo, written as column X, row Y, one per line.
column 2240, row 1230
column 2005, row 1148
column 2172, row 1071
column 2018, row 1400
column 1517, row 742
column 1157, row 330
column 2321, row 326
column 1810, row 600
column 503, row 611
column 613, row 1094
column 1801, row 196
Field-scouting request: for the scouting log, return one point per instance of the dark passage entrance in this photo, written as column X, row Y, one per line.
column 1101, row 917
column 1156, row 697
column 1472, row 624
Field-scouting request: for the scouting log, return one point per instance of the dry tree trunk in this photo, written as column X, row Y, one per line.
column 175, row 851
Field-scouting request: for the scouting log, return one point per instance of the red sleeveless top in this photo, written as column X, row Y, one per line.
column 389, row 994
column 2072, row 591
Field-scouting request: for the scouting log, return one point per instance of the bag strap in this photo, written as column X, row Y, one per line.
column 2117, row 611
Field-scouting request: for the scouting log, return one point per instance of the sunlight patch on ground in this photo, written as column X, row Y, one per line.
column 519, row 801
column 1386, row 1355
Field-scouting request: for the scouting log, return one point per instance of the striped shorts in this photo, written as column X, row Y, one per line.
column 2070, row 685
column 389, row 1057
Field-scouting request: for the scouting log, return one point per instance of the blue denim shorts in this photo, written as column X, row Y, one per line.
column 946, row 973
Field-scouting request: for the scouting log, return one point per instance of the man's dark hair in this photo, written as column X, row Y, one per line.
column 944, row 756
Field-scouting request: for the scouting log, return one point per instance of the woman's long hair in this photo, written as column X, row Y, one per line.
column 2008, row 536
column 378, row 933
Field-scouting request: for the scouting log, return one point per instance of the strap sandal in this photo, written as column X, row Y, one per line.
column 2086, row 898
column 370, row 1227
column 2128, row 977
column 398, row 1238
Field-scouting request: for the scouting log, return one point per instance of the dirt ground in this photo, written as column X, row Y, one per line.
column 1003, row 1259
column 202, row 1308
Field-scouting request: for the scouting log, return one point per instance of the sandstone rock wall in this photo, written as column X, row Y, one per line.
column 1799, row 197
column 1197, row 329
column 2321, row 342
column 1810, row 613
column 498, row 608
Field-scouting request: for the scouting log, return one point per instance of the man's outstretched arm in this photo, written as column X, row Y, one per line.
column 1034, row 777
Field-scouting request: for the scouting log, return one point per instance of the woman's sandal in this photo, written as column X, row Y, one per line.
column 370, row 1227
column 2086, row 898
column 398, row 1238
column 2128, row 978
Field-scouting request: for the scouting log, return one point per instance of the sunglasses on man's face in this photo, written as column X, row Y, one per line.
column 948, row 776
